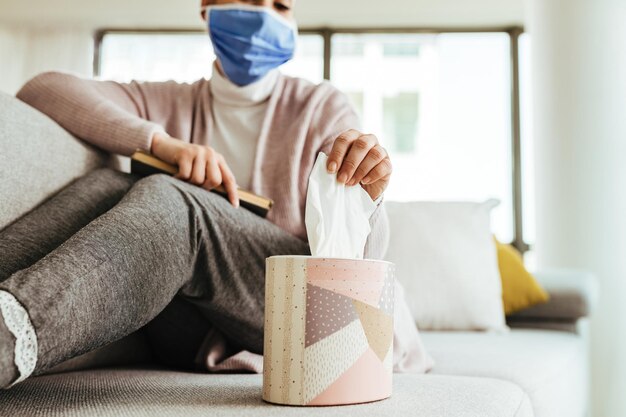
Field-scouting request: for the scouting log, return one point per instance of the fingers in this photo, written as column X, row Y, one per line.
column 184, row 160
column 230, row 184
column 381, row 171
column 373, row 158
column 202, row 166
column 354, row 155
column 340, row 148
column 213, row 172
column 357, row 153
column 198, row 172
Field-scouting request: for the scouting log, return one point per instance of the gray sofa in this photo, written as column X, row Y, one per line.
column 539, row 368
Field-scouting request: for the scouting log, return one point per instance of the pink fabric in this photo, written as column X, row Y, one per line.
column 302, row 119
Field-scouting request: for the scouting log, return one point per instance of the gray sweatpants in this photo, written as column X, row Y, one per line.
column 108, row 253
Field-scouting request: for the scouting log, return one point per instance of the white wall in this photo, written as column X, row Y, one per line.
column 27, row 51
column 579, row 70
column 168, row 13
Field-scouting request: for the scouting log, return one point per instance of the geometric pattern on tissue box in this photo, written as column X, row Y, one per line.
column 346, row 354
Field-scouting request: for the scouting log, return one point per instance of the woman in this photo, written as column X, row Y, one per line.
column 109, row 253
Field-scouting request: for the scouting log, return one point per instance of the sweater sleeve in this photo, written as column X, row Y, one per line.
column 378, row 240
column 342, row 117
column 113, row 116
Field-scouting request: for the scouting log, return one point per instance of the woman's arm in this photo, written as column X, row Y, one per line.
column 116, row 117
column 121, row 118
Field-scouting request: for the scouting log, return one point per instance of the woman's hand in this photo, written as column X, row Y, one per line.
column 359, row 158
column 197, row 164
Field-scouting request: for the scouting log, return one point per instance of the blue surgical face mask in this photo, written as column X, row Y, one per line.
column 250, row 41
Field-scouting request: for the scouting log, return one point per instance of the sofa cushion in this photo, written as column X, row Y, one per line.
column 155, row 392
column 446, row 259
column 520, row 289
column 551, row 367
column 573, row 295
column 38, row 158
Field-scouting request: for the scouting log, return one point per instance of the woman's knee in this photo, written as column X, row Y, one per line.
column 158, row 191
column 168, row 193
column 157, row 182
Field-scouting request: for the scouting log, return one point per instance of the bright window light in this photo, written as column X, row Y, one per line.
column 187, row 57
column 183, row 57
column 308, row 62
column 441, row 105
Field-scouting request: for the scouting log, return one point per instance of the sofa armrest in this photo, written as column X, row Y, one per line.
column 37, row 158
column 573, row 295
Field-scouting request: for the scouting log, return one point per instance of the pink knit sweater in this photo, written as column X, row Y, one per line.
column 302, row 119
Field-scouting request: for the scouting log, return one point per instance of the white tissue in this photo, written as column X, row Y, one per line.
column 336, row 216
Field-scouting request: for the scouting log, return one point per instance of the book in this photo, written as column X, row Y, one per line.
column 143, row 163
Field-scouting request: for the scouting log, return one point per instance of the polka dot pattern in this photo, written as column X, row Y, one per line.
column 326, row 313
column 326, row 360
column 285, row 306
column 385, row 302
column 361, row 280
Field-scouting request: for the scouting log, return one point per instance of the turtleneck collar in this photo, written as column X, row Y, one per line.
column 226, row 92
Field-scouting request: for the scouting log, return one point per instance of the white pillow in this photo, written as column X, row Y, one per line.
column 446, row 259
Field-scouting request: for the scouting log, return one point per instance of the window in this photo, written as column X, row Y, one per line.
column 439, row 101
column 400, row 119
column 185, row 56
column 440, row 104
column 308, row 62
column 146, row 56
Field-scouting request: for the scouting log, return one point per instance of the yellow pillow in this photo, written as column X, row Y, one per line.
column 520, row 290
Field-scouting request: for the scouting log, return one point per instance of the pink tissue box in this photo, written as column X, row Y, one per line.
column 328, row 330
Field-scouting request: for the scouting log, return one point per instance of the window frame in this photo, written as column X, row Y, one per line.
column 327, row 33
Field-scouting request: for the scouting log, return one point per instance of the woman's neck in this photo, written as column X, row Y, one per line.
column 226, row 92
